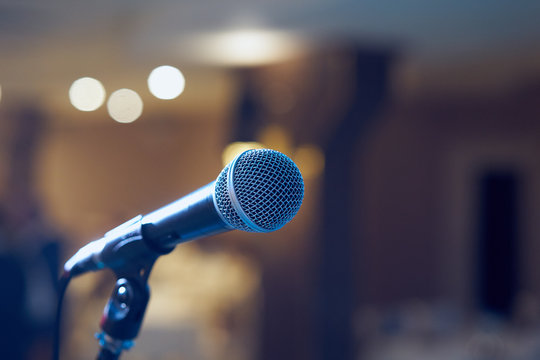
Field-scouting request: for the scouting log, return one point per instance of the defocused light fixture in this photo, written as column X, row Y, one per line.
column 249, row 47
column 125, row 105
column 166, row 82
column 235, row 148
column 310, row 160
column 86, row 94
column 276, row 137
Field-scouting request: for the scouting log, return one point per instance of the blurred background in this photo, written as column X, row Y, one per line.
column 415, row 124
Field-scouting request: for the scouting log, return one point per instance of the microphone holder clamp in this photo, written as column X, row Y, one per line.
column 123, row 315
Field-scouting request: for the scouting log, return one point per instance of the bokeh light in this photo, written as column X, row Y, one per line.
column 125, row 105
column 166, row 82
column 235, row 148
column 276, row 137
column 247, row 47
column 86, row 94
column 310, row 160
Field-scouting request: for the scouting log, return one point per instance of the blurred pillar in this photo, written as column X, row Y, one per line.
column 368, row 86
column 32, row 240
column 26, row 129
column 303, row 320
column 284, row 316
column 248, row 114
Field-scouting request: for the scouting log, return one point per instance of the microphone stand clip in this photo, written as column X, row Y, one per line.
column 124, row 312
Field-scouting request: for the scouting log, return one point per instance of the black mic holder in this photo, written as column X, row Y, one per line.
column 124, row 312
column 122, row 317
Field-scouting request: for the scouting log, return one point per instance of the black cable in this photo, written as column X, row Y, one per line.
column 62, row 286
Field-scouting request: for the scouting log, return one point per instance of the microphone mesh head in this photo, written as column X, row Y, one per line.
column 259, row 191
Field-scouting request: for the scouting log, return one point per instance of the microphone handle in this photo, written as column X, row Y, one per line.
column 144, row 238
column 190, row 217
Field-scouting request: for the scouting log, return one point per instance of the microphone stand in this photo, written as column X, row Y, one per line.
column 123, row 315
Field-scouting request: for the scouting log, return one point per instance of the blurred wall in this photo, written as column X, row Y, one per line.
column 412, row 219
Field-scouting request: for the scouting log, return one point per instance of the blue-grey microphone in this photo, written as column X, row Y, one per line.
column 259, row 191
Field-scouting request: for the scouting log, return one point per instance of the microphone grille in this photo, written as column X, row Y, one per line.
column 259, row 191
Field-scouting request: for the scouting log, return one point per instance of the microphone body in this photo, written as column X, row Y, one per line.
column 259, row 191
column 145, row 237
column 190, row 217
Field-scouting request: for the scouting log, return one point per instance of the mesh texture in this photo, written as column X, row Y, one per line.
column 268, row 186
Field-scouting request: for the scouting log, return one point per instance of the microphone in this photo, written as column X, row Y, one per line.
column 259, row 191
